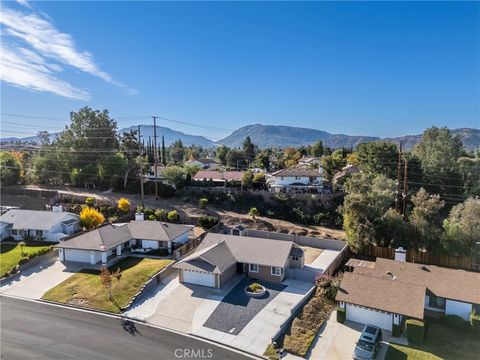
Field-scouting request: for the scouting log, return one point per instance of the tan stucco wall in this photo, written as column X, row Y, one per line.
column 228, row 274
column 264, row 273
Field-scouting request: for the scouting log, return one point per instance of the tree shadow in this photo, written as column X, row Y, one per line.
column 130, row 327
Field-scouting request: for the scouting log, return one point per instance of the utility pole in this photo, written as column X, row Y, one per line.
column 405, row 189
column 155, row 154
column 397, row 199
column 140, row 147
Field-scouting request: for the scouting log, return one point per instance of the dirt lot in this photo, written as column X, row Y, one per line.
column 192, row 210
column 311, row 253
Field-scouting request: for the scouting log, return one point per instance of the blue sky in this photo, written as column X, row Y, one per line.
column 381, row 69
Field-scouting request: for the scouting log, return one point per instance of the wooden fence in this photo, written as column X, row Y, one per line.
column 457, row 262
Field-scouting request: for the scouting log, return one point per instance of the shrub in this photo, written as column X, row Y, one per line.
column 254, row 287
column 341, row 315
column 161, row 214
column 253, row 212
column 396, row 330
column 151, row 217
column 173, row 216
column 203, row 203
column 207, row 222
column 90, row 201
column 91, row 218
column 415, row 331
column 454, row 321
column 123, row 205
column 165, row 190
column 475, row 321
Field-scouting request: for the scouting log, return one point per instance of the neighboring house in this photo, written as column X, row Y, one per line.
column 220, row 257
column 112, row 240
column 203, row 163
column 387, row 292
column 150, row 175
column 38, row 225
column 311, row 161
column 297, row 179
column 218, row 177
column 340, row 176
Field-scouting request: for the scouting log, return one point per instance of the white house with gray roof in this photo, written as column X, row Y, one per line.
column 40, row 225
column 220, row 256
column 297, row 179
column 114, row 239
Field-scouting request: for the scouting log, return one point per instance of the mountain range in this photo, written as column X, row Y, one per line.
column 279, row 135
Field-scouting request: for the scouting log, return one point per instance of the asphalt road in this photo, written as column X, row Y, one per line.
column 31, row 330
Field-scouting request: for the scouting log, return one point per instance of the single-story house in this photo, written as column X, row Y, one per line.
column 113, row 239
column 218, row 177
column 40, row 225
column 220, row 257
column 203, row 163
column 296, row 179
column 386, row 292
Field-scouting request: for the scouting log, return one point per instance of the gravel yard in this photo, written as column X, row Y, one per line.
column 237, row 308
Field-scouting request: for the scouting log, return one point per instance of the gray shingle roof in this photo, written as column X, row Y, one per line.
column 35, row 219
column 113, row 235
column 218, row 257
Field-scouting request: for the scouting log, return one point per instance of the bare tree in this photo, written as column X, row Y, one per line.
column 106, row 280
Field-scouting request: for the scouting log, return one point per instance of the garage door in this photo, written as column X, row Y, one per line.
column 369, row 316
column 77, row 255
column 199, row 278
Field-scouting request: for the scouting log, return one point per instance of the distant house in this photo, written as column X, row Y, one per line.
column 22, row 224
column 203, row 163
column 310, row 160
column 296, row 179
column 113, row 239
column 218, row 177
column 340, row 176
column 386, row 292
column 219, row 257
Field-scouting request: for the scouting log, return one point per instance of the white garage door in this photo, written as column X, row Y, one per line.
column 77, row 255
column 369, row 316
column 199, row 278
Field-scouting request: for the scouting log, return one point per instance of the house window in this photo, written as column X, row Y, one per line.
column 277, row 271
column 253, row 268
column 14, row 232
column 295, row 258
column 281, row 177
column 436, row 302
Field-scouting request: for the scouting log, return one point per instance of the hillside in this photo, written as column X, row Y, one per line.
column 277, row 135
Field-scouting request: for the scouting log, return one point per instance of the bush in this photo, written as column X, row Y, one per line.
column 165, row 190
column 396, row 330
column 341, row 315
column 123, row 205
column 207, row 222
column 475, row 321
column 415, row 331
column 173, row 216
column 254, row 287
column 158, row 252
column 90, row 201
column 203, row 203
column 161, row 214
column 454, row 321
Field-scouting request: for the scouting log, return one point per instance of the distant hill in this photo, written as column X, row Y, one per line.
column 277, row 135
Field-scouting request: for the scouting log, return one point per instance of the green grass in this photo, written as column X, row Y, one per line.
column 84, row 289
column 441, row 342
column 10, row 254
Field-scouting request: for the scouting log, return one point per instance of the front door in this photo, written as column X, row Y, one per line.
column 239, row 268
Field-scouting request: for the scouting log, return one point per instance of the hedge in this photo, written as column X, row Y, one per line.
column 415, row 331
column 455, row 321
column 341, row 315
column 475, row 321
column 396, row 330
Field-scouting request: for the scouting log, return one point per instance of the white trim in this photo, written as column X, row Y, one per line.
column 252, row 267
column 274, row 272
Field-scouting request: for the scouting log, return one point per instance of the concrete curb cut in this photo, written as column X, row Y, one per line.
column 138, row 321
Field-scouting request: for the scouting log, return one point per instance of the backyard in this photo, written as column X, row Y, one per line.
column 11, row 253
column 85, row 289
column 442, row 341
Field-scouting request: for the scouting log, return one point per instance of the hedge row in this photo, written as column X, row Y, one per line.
column 415, row 331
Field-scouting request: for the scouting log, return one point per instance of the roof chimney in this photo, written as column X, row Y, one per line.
column 139, row 217
column 400, row 254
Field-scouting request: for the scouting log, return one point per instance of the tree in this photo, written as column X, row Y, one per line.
column 10, row 168
column 352, row 159
column 44, row 137
column 439, row 152
column 91, row 218
column 470, row 171
column 393, row 231
column 426, row 220
column 259, row 180
column 253, row 212
column 123, row 205
column 368, row 198
column 248, row 150
column 247, row 179
column 262, row 159
column 175, row 175
column 291, row 156
column 235, row 158
column 173, row 216
column 177, row 152
column 90, row 201
column 378, row 157
column 164, row 154
column 317, row 149
column 161, row 214
column 106, row 281
column 129, row 147
column 22, row 244
column 221, row 154
column 203, row 202
column 462, row 229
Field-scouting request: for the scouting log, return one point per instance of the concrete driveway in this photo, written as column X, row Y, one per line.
column 337, row 341
column 34, row 282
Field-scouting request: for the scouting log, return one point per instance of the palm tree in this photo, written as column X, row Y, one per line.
column 253, row 213
column 22, row 244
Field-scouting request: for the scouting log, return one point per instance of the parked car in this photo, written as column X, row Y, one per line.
column 369, row 343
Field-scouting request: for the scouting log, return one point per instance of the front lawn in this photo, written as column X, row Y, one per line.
column 442, row 341
column 84, row 289
column 10, row 254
